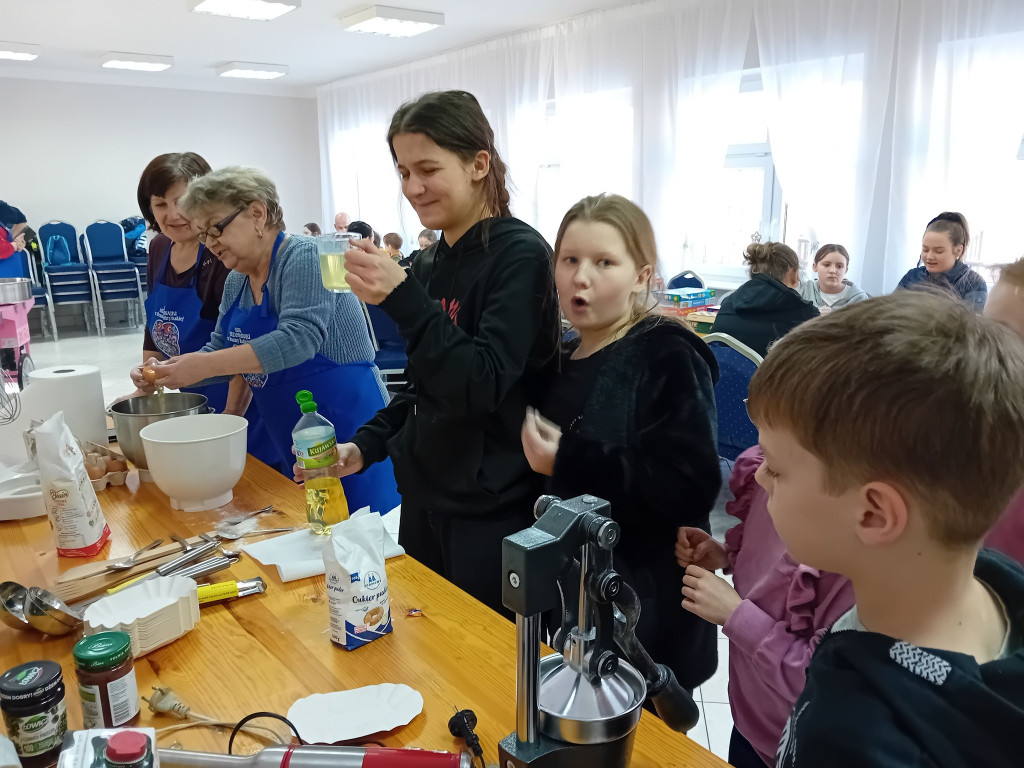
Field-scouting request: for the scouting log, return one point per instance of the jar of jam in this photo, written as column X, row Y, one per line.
column 106, row 680
column 32, row 702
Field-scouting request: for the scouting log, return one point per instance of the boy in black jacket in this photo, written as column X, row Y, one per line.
column 862, row 414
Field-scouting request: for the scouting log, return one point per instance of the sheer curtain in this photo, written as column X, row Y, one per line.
column 877, row 114
column 825, row 66
column 958, row 116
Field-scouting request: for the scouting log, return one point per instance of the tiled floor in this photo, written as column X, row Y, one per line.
column 120, row 350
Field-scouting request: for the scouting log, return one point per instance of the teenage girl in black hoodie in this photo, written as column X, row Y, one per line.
column 478, row 312
column 635, row 409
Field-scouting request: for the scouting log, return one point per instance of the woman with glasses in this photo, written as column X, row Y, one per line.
column 280, row 328
column 184, row 280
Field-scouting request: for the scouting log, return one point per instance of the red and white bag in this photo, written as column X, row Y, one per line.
column 79, row 528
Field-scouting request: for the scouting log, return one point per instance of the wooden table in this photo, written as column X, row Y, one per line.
column 263, row 652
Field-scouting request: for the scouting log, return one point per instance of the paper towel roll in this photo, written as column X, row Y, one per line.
column 75, row 389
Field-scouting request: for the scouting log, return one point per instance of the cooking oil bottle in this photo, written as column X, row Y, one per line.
column 316, row 450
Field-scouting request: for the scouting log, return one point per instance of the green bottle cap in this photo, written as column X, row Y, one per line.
column 303, row 396
column 308, row 407
column 102, row 651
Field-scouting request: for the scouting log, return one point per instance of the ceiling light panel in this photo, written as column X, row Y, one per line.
column 19, row 51
column 142, row 62
column 252, row 71
column 391, row 22
column 259, row 10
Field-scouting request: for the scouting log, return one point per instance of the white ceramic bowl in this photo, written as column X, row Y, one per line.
column 196, row 460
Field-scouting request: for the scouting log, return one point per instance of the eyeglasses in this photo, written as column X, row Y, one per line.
column 217, row 230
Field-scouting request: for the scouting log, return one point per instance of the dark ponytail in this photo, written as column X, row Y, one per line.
column 953, row 224
column 455, row 121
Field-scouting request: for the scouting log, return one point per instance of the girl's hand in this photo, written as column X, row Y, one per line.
column 372, row 273
column 694, row 546
column 350, row 461
column 144, row 386
column 182, row 370
column 709, row 596
column 540, row 442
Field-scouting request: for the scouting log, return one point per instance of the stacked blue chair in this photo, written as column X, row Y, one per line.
column 114, row 277
column 737, row 364
column 391, row 358
column 66, row 277
column 686, row 279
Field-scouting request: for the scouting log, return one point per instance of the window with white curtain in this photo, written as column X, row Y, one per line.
column 580, row 145
column 974, row 145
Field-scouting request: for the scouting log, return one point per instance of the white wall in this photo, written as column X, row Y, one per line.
column 77, row 151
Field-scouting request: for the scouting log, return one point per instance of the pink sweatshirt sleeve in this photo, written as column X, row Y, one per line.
column 781, row 650
column 744, row 489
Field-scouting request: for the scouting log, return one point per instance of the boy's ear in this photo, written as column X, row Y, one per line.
column 883, row 514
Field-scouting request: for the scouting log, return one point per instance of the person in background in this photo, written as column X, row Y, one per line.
column 341, row 221
column 631, row 419
column 184, row 280
column 312, row 229
column 361, row 228
column 12, row 219
column 279, row 327
column 426, row 239
column 861, row 415
column 1006, row 305
column 481, row 325
column 393, row 245
column 942, row 252
column 767, row 306
column 12, row 262
column 831, row 290
column 774, row 613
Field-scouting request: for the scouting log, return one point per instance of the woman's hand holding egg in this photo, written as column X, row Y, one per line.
column 372, row 273
column 181, row 370
column 144, row 377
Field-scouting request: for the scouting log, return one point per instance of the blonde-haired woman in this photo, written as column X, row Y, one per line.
column 631, row 419
column 280, row 328
column 767, row 306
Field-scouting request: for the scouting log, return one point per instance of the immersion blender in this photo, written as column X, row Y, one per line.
column 318, row 756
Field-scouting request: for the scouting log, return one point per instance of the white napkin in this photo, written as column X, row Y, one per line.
column 326, row 718
column 299, row 555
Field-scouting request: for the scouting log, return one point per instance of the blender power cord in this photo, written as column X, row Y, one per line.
column 167, row 701
column 461, row 726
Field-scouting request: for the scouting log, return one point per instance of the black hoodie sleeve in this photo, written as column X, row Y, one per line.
column 473, row 374
column 670, row 460
column 372, row 438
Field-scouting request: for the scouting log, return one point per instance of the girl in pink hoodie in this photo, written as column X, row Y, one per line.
column 774, row 617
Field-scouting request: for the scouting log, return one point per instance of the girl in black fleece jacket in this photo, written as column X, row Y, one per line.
column 635, row 413
column 478, row 313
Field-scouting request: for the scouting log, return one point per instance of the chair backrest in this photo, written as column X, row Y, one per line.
column 105, row 241
column 15, row 265
column 64, row 230
column 385, row 330
column 736, row 366
column 686, row 279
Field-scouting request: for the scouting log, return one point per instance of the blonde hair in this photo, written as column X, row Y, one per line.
column 234, row 186
column 1013, row 273
column 632, row 224
column 773, row 259
column 911, row 389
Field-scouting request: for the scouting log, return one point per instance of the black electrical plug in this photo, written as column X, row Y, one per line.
column 461, row 726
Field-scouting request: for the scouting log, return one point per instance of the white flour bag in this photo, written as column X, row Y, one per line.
column 79, row 528
column 357, row 585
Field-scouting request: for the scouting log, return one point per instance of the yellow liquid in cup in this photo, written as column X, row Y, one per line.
column 333, row 272
column 325, row 504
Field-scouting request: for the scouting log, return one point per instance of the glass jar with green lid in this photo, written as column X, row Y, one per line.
column 106, row 680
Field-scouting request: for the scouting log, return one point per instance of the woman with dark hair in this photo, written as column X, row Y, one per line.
column 479, row 316
column 312, row 229
column 184, row 280
column 831, row 290
column 942, row 251
column 767, row 306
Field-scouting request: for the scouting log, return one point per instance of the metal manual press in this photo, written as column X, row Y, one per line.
column 579, row 706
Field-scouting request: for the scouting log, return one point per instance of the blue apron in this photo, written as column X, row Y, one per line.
column 174, row 321
column 348, row 395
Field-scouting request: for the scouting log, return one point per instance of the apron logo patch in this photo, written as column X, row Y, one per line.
column 166, row 338
column 255, row 380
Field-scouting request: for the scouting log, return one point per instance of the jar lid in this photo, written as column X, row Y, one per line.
column 33, row 680
column 127, row 747
column 102, row 650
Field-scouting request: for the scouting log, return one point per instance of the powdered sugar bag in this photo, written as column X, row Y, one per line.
column 357, row 584
column 79, row 528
